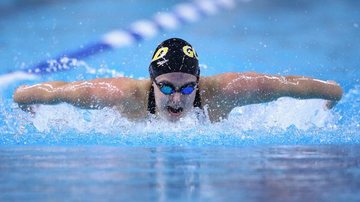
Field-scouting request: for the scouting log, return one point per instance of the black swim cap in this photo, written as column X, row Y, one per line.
column 174, row 55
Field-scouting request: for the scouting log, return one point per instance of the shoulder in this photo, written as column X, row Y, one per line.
column 131, row 99
column 230, row 76
column 223, row 92
column 123, row 83
column 134, row 88
column 227, row 80
column 121, row 89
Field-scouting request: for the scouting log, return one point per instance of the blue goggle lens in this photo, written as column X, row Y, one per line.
column 187, row 90
column 167, row 90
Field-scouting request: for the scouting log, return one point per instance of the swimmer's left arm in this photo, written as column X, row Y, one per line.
column 307, row 88
column 250, row 88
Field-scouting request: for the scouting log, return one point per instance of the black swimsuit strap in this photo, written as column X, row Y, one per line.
column 152, row 105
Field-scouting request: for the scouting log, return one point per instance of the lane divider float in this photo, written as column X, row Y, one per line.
column 140, row 30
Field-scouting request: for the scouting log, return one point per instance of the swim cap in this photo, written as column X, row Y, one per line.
column 174, row 55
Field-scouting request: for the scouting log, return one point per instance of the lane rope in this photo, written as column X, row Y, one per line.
column 182, row 13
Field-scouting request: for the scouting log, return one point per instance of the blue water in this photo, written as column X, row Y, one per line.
column 287, row 150
column 258, row 173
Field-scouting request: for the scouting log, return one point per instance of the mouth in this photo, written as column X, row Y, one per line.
column 174, row 111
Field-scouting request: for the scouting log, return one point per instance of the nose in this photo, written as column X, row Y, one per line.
column 176, row 97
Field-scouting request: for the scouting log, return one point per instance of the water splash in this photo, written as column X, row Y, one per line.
column 284, row 113
column 285, row 121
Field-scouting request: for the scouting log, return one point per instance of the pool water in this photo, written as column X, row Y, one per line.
column 287, row 150
column 256, row 173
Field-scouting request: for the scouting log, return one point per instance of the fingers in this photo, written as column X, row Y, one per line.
column 332, row 82
column 330, row 104
column 28, row 108
column 19, row 94
column 22, row 87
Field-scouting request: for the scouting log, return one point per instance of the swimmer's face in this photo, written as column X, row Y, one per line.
column 175, row 105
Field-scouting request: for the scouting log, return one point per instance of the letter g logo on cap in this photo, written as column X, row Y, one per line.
column 189, row 51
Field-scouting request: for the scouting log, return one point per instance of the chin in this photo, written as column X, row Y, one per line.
column 173, row 118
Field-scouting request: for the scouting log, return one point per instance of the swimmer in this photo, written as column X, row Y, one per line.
column 175, row 88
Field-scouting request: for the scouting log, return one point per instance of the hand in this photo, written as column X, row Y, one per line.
column 330, row 104
column 332, row 82
column 28, row 108
column 21, row 88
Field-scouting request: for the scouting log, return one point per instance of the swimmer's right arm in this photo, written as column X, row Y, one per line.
column 44, row 93
column 91, row 94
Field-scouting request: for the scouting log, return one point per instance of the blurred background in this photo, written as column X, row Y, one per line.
column 303, row 37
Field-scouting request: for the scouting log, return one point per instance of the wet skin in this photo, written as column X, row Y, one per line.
column 173, row 107
column 220, row 93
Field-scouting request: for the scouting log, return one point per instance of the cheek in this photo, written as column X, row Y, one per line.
column 160, row 99
column 189, row 100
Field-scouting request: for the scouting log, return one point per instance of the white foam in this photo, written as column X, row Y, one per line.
column 282, row 114
column 287, row 120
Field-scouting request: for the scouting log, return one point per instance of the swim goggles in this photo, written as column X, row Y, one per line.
column 168, row 88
